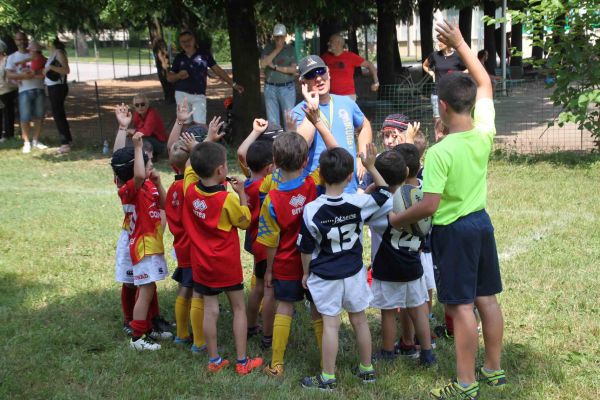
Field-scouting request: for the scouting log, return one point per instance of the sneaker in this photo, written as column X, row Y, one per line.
column 127, row 329
column 442, row 332
column 383, row 355
column 456, row 392
column 26, row 147
column 274, row 372
column 160, row 335
column 365, row 376
column 39, row 145
column 197, row 350
column 161, row 324
column 216, row 367
column 255, row 330
column 317, row 382
column 496, row 378
column 407, row 351
column 265, row 344
column 64, row 149
column 143, row 343
column 248, row 366
column 183, row 341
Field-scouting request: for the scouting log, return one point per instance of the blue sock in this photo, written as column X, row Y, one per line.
column 464, row 385
column 216, row 360
column 242, row 361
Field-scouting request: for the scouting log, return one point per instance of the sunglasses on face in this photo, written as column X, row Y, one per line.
column 315, row 72
column 138, row 105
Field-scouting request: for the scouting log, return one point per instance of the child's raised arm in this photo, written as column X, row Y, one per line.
column 182, row 115
column 368, row 160
column 139, row 169
column 124, row 118
column 259, row 126
column 450, row 35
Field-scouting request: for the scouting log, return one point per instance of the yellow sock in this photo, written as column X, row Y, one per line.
column 318, row 327
column 197, row 318
column 281, row 332
column 182, row 316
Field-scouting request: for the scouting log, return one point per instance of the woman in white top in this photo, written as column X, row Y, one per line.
column 56, row 71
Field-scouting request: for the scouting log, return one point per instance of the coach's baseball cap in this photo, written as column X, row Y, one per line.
column 310, row 63
column 396, row 121
column 279, row 30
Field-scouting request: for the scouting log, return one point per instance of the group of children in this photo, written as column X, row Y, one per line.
column 305, row 234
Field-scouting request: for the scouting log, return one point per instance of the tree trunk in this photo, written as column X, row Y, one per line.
column 82, row 47
column 241, row 26
column 396, row 50
column 465, row 18
column 426, row 28
column 489, row 39
column 517, row 44
column 537, row 52
column 353, row 45
column 386, row 41
column 161, row 57
column 327, row 27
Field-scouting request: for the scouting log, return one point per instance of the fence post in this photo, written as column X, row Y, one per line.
column 76, row 55
column 96, row 56
column 140, row 55
column 112, row 53
column 127, row 50
column 98, row 112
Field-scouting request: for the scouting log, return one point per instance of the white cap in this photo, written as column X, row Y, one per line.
column 279, row 30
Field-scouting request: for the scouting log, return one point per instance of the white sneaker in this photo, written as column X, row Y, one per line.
column 26, row 147
column 144, row 343
column 39, row 145
column 160, row 335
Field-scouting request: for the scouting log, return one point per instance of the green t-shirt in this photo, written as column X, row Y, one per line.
column 285, row 58
column 456, row 167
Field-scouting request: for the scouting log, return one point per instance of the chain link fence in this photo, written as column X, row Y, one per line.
column 523, row 113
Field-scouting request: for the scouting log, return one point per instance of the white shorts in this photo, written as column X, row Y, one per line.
column 150, row 269
column 391, row 295
column 332, row 296
column 427, row 263
column 123, row 265
column 197, row 102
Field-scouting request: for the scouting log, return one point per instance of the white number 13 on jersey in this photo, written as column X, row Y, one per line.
column 342, row 237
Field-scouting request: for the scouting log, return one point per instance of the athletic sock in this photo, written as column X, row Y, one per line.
column 197, row 319
column 281, row 332
column 182, row 316
column 466, row 385
column 267, row 341
column 216, row 360
column 318, row 327
column 449, row 324
column 242, row 361
column 327, row 377
column 128, row 301
column 363, row 368
column 140, row 327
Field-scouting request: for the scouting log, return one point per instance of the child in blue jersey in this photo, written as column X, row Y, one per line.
column 331, row 247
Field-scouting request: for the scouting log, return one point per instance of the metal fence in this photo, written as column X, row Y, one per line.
column 523, row 113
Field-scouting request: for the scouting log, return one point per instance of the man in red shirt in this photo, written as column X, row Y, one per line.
column 147, row 120
column 341, row 64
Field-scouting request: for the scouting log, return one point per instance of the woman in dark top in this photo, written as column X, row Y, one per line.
column 438, row 64
column 56, row 71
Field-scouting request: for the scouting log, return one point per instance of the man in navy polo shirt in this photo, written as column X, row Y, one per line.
column 188, row 73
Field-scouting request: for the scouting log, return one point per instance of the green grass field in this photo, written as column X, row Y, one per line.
column 60, row 316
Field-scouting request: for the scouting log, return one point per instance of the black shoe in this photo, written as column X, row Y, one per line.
column 161, row 325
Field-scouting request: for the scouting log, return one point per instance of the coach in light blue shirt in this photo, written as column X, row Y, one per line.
column 338, row 116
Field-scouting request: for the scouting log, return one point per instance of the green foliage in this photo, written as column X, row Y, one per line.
column 568, row 32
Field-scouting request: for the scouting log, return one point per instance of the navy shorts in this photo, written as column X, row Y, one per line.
column 290, row 291
column 260, row 268
column 183, row 276
column 211, row 291
column 465, row 259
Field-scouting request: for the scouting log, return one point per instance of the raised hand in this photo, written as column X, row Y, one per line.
column 412, row 131
column 137, row 139
column 291, row 123
column 449, row 34
column 183, row 112
column 214, row 128
column 311, row 97
column 368, row 158
column 312, row 114
column 123, row 115
column 188, row 140
column 260, row 125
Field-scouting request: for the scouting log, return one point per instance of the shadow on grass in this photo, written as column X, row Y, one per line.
column 569, row 159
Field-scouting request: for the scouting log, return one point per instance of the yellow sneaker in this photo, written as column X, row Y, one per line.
column 275, row 371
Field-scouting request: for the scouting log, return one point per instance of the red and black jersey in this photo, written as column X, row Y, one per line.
column 174, row 211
